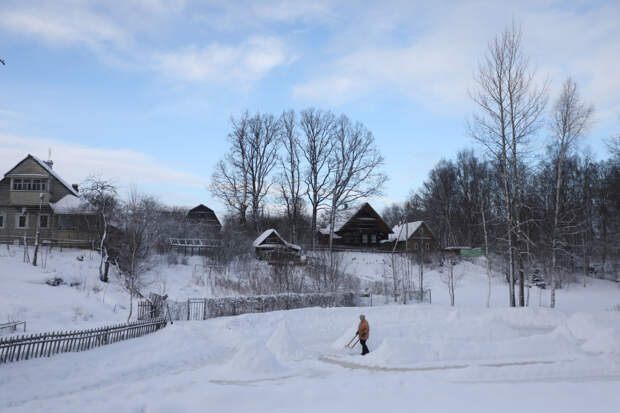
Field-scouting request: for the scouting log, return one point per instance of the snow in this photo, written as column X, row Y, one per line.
column 421, row 355
column 71, row 204
column 258, row 242
column 433, row 358
column 402, row 231
column 342, row 217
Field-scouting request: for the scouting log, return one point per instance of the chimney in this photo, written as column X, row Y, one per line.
column 49, row 161
column 75, row 187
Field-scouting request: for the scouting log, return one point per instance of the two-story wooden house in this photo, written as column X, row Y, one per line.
column 33, row 197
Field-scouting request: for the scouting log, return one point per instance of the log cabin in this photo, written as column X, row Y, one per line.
column 357, row 227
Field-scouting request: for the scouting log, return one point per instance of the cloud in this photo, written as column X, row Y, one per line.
column 75, row 162
column 431, row 55
column 66, row 27
column 246, row 62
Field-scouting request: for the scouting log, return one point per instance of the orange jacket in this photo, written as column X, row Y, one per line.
column 363, row 330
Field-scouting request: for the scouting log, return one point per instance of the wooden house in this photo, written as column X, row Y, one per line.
column 357, row 227
column 412, row 236
column 33, row 197
column 204, row 216
column 272, row 247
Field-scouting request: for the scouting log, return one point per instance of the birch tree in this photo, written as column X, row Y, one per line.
column 570, row 120
column 102, row 194
column 510, row 110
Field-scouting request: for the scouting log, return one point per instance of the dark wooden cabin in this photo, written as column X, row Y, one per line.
column 204, row 216
column 357, row 227
column 412, row 236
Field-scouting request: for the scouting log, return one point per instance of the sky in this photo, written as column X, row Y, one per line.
column 142, row 91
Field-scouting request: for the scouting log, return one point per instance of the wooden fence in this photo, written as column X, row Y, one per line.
column 47, row 344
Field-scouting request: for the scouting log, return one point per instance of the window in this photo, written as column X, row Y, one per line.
column 415, row 245
column 44, row 221
column 428, row 246
column 38, row 185
column 22, row 221
column 21, row 184
column 364, row 238
column 373, row 238
column 1, row 220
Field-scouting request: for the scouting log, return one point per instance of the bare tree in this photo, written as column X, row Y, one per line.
column 139, row 218
column 450, row 279
column 101, row 194
column 570, row 120
column 230, row 180
column 262, row 156
column 355, row 165
column 510, row 107
column 316, row 148
column 613, row 144
column 290, row 179
column 243, row 178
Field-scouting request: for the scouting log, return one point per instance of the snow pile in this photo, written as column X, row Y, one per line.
column 284, row 344
column 600, row 334
column 253, row 360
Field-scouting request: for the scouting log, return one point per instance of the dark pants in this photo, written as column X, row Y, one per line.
column 364, row 348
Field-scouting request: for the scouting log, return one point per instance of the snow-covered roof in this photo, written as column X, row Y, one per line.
column 403, row 231
column 55, row 175
column 342, row 217
column 258, row 242
column 71, row 204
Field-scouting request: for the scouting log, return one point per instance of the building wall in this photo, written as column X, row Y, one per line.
column 16, row 203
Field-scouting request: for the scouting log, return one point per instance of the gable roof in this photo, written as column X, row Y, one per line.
column 403, row 231
column 344, row 216
column 203, row 212
column 258, row 242
column 48, row 169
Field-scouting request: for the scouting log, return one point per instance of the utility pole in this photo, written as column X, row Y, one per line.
column 36, row 240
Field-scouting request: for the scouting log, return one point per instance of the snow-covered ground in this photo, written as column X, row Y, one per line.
column 423, row 357
column 426, row 358
column 24, row 295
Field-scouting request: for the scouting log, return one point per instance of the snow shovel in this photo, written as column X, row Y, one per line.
column 351, row 344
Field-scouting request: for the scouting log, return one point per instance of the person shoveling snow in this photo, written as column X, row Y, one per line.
column 363, row 330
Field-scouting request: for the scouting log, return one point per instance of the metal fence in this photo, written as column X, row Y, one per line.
column 205, row 308
column 47, row 344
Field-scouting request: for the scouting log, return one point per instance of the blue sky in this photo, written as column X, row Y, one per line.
column 142, row 90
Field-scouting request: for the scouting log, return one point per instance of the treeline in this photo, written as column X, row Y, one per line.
column 554, row 215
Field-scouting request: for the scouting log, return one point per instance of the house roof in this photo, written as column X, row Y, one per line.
column 71, row 204
column 403, row 231
column 259, row 242
column 48, row 169
column 344, row 216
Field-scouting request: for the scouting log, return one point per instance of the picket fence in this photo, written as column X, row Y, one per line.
column 47, row 344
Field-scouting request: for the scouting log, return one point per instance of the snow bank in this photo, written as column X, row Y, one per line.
column 284, row 344
column 253, row 360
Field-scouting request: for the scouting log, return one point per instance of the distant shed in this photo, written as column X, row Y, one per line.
column 272, row 247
